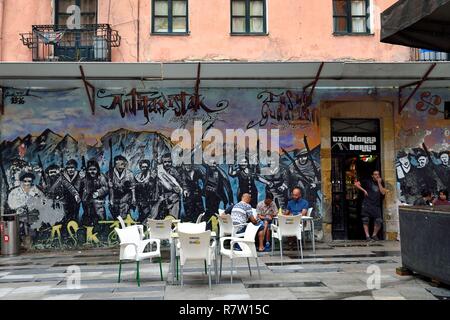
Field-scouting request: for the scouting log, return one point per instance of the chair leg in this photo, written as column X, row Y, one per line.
column 209, row 276
column 177, row 268
column 205, row 268
column 298, row 250
column 281, row 249
column 301, row 251
column 273, row 243
column 181, row 274
column 120, row 270
column 231, row 270
column 160, row 268
column 137, row 274
column 249, row 269
column 216, row 271
column 257, row 264
column 220, row 274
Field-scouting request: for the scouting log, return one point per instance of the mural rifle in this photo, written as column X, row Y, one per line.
column 111, row 173
column 44, row 178
column 316, row 172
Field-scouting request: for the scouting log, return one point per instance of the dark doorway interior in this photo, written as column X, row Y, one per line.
column 355, row 155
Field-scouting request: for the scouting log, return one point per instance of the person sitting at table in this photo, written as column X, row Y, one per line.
column 242, row 213
column 266, row 211
column 442, row 200
column 297, row 205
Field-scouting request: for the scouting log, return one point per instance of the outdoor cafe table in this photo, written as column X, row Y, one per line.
column 173, row 252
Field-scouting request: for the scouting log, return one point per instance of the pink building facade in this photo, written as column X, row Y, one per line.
column 295, row 30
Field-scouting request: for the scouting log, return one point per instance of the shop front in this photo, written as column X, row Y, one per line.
column 81, row 148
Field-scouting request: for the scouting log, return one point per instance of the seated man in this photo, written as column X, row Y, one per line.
column 267, row 210
column 243, row 213
column 297, row 205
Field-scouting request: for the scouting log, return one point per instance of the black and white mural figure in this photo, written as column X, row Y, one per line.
column 426, row 177
column 94, row 191
column 443, row 170
column 145, row 188
column 304, row 174
column 277, row 184
column 406, row 177
column 217, row 189
column 58, row 189
column 122, row 188
column 72, row 200
column 192, row 195
column 170, row 189
column 246, row 174
column 17, row 168
column 25, row 200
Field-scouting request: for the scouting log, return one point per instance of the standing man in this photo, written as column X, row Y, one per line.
column 266, row 211
column 122, row 183
column 374, row 191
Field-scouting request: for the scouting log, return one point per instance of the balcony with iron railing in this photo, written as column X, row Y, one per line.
column 90, row 42
column 429, row 55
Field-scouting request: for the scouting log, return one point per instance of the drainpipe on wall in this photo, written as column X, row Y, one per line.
column 2, row 18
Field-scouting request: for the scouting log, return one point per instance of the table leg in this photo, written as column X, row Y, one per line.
column 313, row 237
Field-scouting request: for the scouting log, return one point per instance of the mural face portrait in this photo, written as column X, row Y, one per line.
column 167, row 163
column 422, row 160
column 70, row 169
column 92, row 171
column 144, row 166
column 53, row 172
column 444, row 159
column 27, row 183
column 303, row 160
column 121, row 165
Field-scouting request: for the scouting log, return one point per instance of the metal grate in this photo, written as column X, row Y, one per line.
column 91, row 42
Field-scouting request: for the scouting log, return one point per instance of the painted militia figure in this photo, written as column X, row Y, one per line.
column 71, row 205
column 145, row 186
column 169, row 188
column 122, row 188
column 94, row 187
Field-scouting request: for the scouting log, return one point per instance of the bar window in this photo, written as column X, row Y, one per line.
column 170, row 16
column 351, row 16
column 248, row 17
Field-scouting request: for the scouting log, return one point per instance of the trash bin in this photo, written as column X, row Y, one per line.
column 9, row 231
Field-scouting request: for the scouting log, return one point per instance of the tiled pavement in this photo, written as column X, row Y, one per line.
column 337, row 271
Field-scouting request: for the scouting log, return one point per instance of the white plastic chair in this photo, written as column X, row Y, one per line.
column 140, row 227
column 160, row 229
column 132, row 247
column 189, row 227
column 247, row 245
column 196, row 246
column 288, row 226
column 200, row 217
column 227, row 228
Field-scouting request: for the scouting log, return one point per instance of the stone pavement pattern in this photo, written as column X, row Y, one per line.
column 337, row 271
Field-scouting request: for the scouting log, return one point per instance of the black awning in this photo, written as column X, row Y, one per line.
column 418, row 23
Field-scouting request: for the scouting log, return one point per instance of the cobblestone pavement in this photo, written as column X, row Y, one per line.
column 338, row 270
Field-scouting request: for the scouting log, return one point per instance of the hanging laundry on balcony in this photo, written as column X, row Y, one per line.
column 51, row 37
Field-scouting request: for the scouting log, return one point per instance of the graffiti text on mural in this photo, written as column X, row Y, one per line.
column 155, row 102
column 287, row 106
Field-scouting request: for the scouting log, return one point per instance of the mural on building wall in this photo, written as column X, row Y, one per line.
column 423, row 146
column 69, row 174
